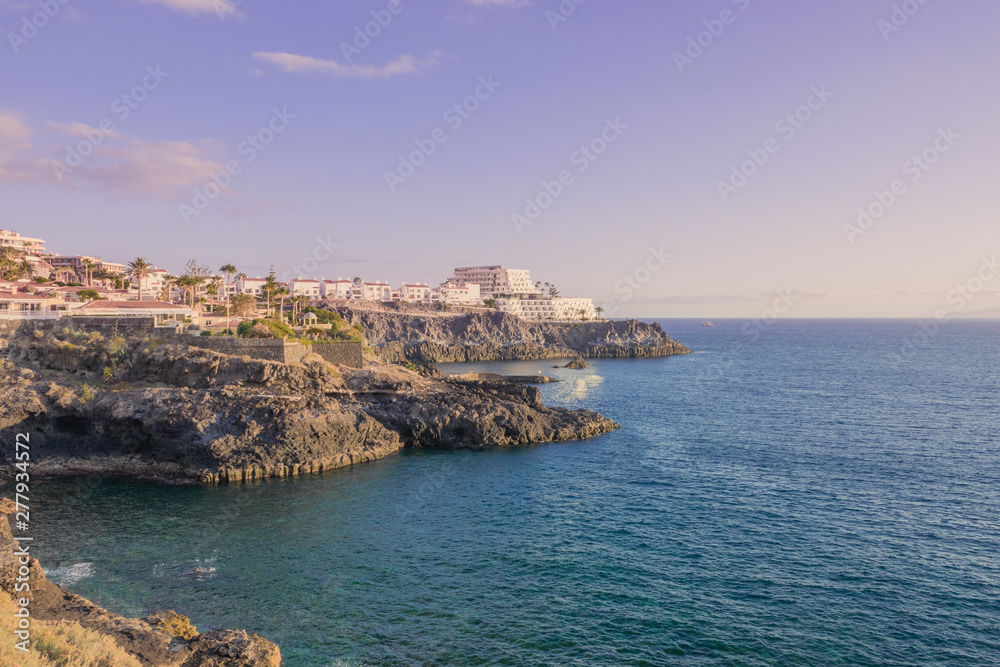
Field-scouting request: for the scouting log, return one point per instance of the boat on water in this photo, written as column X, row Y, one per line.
column 707, row 324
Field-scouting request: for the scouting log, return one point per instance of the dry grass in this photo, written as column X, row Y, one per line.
column 58, row 644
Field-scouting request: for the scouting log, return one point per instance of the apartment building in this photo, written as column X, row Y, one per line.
column 543, row 308
column 495, row 281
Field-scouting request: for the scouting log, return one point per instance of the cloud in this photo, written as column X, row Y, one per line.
column 498, row 3
column 111, row 163
column 290, row 62
column 194, row 7
column 13, row 128
column 139, row 167
column 79, row 130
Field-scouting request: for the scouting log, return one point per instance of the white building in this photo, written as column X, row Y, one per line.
column 548, row 309
column 495, row 281
column 335, row 289
column 415, row 293
column 153, row 284
column 466, row 294
column 377, row 291
column 254, row 286
column 33, row 249
column 300, row 287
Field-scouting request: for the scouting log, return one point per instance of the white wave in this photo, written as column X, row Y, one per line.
column 68, row 575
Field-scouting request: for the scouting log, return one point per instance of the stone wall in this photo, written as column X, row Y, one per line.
column 108, row 326
column 265, row 349
column 346, row 353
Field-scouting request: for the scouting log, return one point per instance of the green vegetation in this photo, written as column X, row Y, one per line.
column 490, row 303
column 87, row 394
column 205, row 333
column 264, row 328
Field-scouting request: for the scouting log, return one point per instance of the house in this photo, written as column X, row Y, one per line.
column 415, row 293
column 301, row 287
column 163, row 312
column 15, row 304
column 336, row 289
column 377, row 291
column 466, row 294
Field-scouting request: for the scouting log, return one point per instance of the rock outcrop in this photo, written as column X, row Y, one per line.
column 401, row 336
column 177, row 413
column 164, row 639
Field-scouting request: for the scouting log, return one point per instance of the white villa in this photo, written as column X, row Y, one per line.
column 304, row 287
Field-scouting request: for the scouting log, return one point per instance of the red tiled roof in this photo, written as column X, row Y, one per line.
column 132, row 305
column 22, row 296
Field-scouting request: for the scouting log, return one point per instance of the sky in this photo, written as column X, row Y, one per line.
column 730, row 158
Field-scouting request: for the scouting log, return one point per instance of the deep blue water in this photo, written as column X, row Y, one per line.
column 789, row 498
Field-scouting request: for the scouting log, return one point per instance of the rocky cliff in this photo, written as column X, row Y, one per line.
column 436, row 336
column 172, row 412
column 163, row 639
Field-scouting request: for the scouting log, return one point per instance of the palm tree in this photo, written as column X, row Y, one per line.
column 88, row 268
column 229, row 270
column 599, row 310
column 139, row 268
column 282, row 293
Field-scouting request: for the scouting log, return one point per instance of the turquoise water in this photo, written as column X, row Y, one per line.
column 790, row 498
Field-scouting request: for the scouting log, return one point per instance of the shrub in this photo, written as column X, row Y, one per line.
column 61, row 643
column 243, row 330
column 205, row 333
column 87, row 394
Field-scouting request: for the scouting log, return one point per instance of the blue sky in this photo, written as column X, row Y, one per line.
column 227, row 72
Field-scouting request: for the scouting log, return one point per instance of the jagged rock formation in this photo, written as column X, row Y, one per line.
column 172, row 412
column 495, row 336
column 165, row 639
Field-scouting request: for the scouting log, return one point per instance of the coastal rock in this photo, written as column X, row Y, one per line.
column 232, row 648
column 171, row 412
column 430, row 337
column 577, row 363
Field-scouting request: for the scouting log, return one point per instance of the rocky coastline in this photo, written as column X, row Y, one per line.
column 405, row 335
column 163, row 410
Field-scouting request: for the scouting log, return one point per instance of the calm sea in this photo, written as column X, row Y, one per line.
column 796, row 497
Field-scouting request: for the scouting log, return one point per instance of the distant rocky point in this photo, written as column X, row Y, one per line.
column 438, row 336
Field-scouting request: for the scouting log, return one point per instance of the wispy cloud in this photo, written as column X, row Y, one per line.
column 114, row 164
column 79, row 130
column 194, row 7
column 290, row 62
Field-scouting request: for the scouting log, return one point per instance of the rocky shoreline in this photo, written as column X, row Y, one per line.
column 166, row 411
column 433, row 337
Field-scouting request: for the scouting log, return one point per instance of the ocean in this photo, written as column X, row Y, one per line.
column 795, row 493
